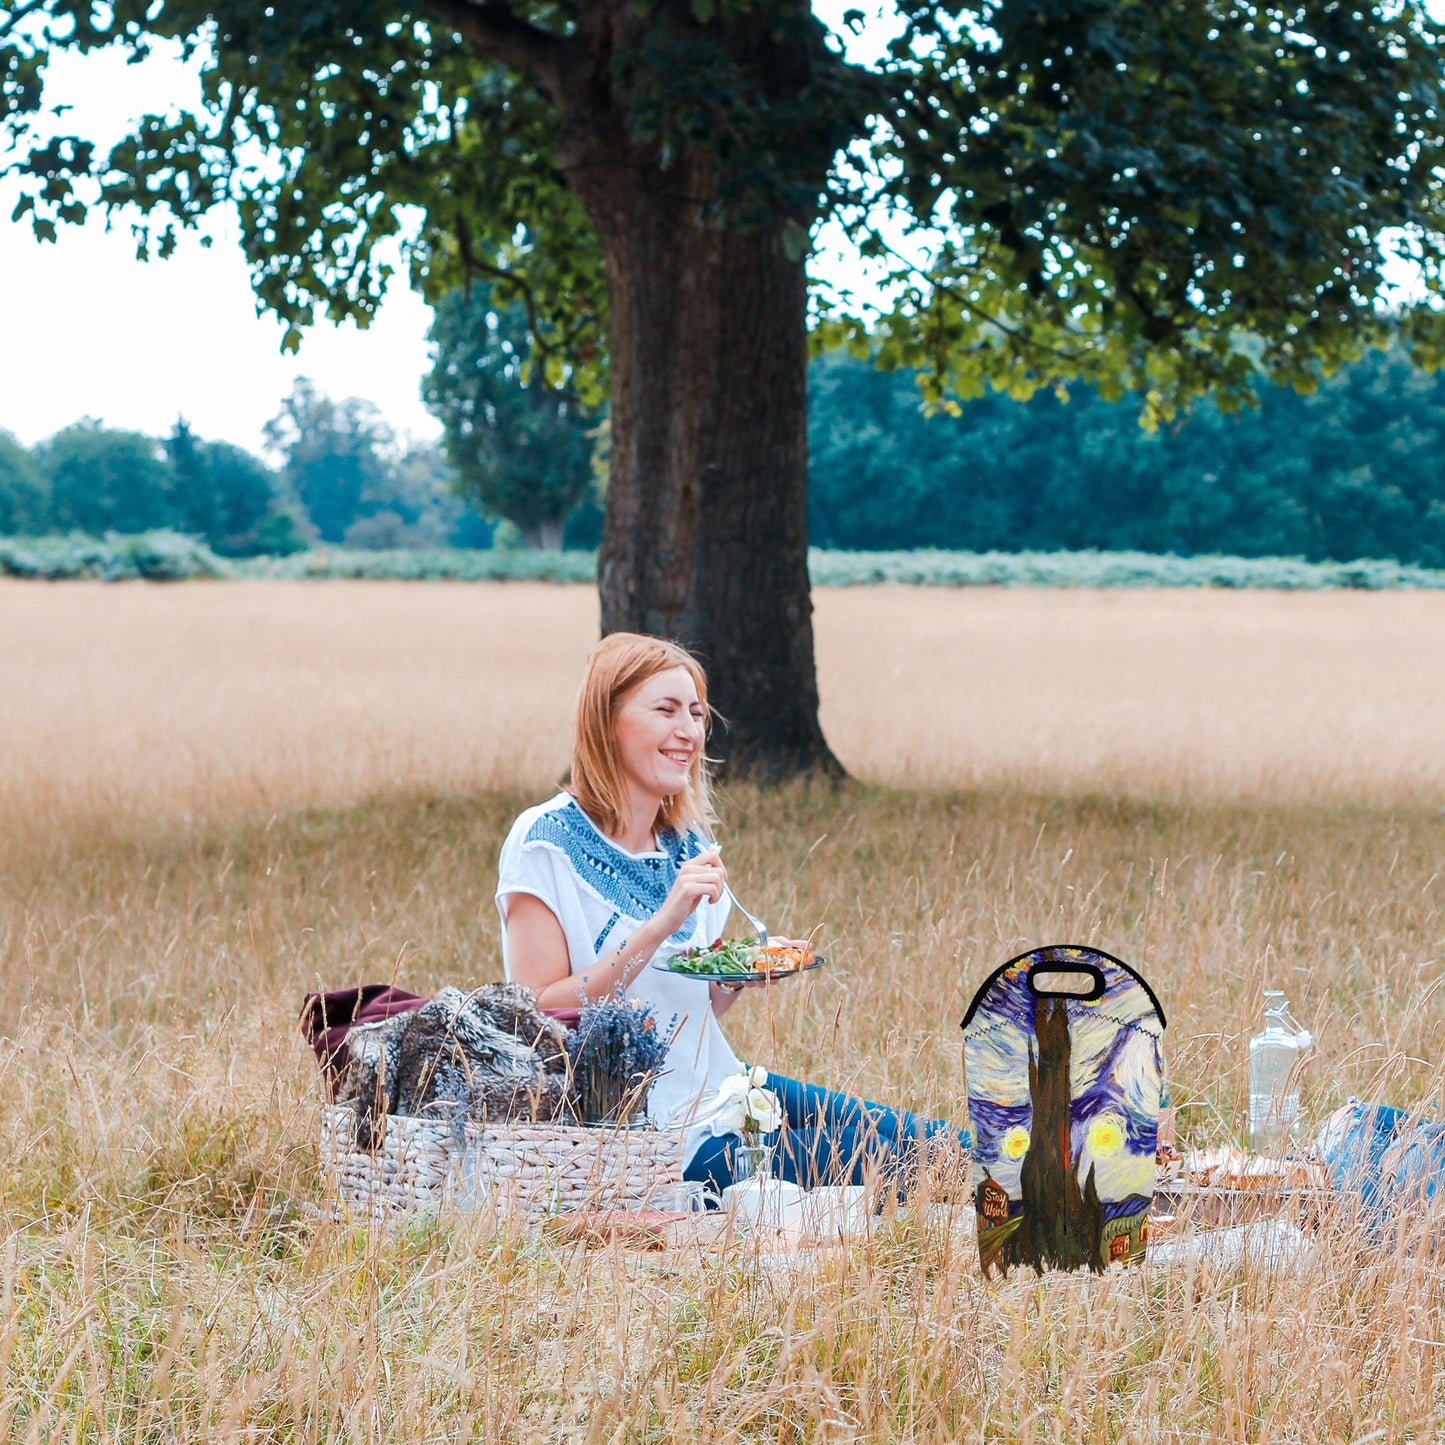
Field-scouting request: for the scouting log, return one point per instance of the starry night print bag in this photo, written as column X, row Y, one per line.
column 1063, row 1052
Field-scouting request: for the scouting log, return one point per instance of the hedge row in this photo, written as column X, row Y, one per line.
column 1107, row 569
column 163, row 556
column 171, row 557
column 444, row 564
column 159, row 556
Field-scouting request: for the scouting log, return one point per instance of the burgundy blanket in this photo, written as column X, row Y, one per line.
column 327, row 1018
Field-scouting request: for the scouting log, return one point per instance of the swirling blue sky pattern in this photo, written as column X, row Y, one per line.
column 1116, row 1069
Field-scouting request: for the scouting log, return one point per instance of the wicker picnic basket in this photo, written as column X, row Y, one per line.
column 517, row 1168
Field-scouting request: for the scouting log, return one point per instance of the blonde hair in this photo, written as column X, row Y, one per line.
column 617, row 665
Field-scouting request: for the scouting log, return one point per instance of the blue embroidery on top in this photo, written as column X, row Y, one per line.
column 636, row 887
column 607, row 928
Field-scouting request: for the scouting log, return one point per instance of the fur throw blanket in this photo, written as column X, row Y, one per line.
column 488, row 1054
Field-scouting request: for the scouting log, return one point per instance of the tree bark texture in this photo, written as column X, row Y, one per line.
column 705, row 539
column 705, row 533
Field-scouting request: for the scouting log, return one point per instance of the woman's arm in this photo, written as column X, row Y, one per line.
column 537, row 954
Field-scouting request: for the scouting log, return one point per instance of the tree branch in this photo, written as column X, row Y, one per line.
column 1017, row 334
column 495, row 32
column 19, row 13
column 512, row 280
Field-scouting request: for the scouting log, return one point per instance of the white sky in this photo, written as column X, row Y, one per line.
column 87, row 330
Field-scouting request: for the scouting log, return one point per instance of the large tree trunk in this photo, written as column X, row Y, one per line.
column 545, row 536
column 696, row 141
column 705, row 539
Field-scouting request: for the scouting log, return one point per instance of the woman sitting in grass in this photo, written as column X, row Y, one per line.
column 617, row 873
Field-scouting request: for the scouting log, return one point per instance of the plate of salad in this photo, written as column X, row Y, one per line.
column 741, row 960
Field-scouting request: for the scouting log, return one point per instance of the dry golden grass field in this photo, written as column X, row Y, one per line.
column 215, row 796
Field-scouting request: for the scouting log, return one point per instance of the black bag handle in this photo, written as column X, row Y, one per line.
column 1062, row 965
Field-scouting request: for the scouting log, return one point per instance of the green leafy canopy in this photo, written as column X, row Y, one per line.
column 520, row 451
column 330, row 128
column 1174, row 196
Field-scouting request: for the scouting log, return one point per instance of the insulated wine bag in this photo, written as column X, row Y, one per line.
column 1064, row 1055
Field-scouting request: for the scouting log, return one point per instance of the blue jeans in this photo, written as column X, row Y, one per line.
column 828, row 1138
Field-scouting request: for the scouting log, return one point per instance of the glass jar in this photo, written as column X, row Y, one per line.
column 752, row 1161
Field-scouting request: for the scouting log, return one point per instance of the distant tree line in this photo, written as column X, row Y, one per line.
column 357, row 485
column 1355, row 470
column 343, row 478
column 516, row 454
column 92, row 478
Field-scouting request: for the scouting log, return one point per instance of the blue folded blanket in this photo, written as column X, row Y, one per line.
column 1390, row 1159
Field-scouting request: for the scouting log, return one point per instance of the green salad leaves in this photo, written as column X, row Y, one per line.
column 732, row 956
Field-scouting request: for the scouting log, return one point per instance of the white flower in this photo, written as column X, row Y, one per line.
column 727, row 1105
column 763, row 1108
column 738, row 1104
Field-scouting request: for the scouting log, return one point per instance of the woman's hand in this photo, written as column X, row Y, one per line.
column 698, row 878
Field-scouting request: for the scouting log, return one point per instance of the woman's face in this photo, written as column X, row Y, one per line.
column 659, row 730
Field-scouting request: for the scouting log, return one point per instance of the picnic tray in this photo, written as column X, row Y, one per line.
column 1224, row 1186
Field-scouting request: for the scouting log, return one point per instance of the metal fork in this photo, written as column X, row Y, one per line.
column 757, row 923
column 759, row 926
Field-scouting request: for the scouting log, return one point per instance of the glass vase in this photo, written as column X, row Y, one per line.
column 752, row 1161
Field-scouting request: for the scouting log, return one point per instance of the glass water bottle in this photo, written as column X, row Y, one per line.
column 1274, row 1056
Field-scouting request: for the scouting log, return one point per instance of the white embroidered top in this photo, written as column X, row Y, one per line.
column 600, row 894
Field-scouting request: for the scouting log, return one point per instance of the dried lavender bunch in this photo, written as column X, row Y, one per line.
column 490, row 1054
column 616, row 1053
